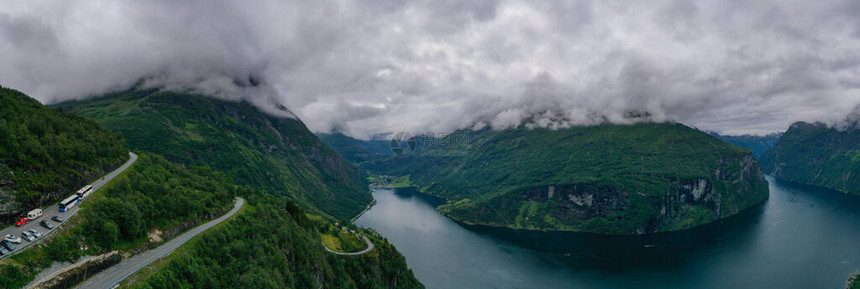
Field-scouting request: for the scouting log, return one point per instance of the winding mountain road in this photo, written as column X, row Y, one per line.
column 113, row 275
column 55, row 210
column 369, row 247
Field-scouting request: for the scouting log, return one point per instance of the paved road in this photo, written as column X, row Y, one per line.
column 112, row 276
column 369, row 247
column 54, row 210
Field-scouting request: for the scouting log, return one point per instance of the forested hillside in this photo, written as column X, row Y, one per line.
column 273, row 244
column 277, row 155
column 616, row 179
column 818, row 155
column 152, row 194
column 155, row 196
column 47, row 154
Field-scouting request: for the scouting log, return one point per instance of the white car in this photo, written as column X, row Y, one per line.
column 36, row 233
column 26, row 235
column 13, row 239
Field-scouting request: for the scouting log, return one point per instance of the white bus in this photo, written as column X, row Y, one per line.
column 69, row 202
column 84, row 192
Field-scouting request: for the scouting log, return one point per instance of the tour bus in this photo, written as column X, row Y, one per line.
column 69, row 202
column 84, row 192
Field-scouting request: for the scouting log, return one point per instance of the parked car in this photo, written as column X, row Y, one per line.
column 58, row 219
column 8, row 245
column 46, row 224
column 21, row 222
column 4, row 251
column 36, row 233
column 27, row 236
column 13, row 239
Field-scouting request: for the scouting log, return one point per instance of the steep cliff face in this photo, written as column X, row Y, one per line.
column 818, row 155
column 580, row 207
column 610, row 179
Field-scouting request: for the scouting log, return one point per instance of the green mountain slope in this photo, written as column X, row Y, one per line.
column 615, row 179
column 355, row 150
column 814, row 154
column 273, row 154
column 43, row 150
column 46, row 154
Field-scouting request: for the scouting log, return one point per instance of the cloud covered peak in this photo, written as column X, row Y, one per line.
column 382, row 66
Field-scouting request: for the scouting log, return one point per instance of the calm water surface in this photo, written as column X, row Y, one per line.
column 801, row 237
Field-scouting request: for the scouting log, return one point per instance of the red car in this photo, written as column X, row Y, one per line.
column 22, row 222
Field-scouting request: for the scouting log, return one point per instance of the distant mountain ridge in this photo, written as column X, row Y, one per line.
column 355, row 150
column 819, row 155
column 614, row 179
column 277, row 155
column 758, row 144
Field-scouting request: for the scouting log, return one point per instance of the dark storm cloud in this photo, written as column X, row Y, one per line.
column 383, row 66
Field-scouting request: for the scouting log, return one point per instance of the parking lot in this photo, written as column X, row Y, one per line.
column 34, row 224
column 49, row 212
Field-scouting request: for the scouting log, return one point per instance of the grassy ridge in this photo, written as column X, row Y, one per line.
column 46, row 154
column 273, row 154
column 626, row 174
column 817, row 155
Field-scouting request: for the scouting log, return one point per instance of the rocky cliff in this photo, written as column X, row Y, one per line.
column 578, row 207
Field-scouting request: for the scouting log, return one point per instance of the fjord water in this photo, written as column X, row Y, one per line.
column 802, row 237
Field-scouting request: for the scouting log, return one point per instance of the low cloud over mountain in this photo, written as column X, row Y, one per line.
column 382, row 66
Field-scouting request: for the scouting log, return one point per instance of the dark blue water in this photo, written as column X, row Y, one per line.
column 802, row 237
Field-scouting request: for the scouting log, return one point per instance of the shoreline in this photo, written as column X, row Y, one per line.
column 500, row 226
column 853, row 281
column 369, row 206
column 713, row 223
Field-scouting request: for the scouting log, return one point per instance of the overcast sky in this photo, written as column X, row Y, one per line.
column 369, row 67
